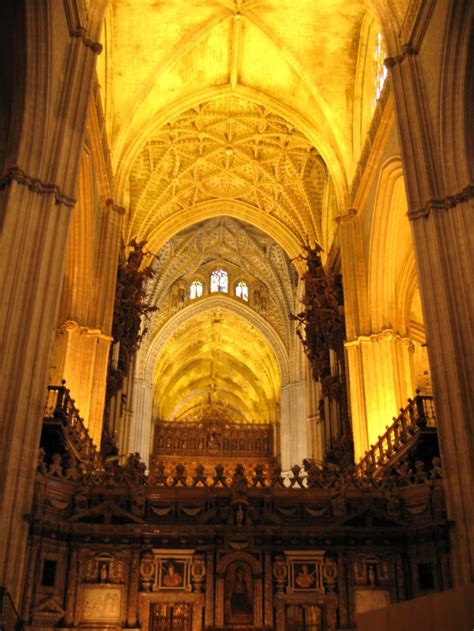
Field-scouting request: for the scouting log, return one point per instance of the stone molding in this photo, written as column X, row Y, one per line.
column 385, row 334
column 15, row 174
column 75, row 28
column 351, row 213
column 416, row 21
column 71, row 325
column 406, row 49
column 372, row 132
column 450, row 201
column 111, row 205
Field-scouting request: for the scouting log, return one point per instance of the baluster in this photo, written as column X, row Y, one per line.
column 422, row 421
column 404, row 429
column 380, row 459
column 60, row 399
column 388, row 434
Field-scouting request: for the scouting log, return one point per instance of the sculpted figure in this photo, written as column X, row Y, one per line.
column 172, row 578
column 305, row 578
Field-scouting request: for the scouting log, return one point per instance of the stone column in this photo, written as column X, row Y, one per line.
column 137, row 421
column 36, row 197
column 80, row 356
column 379, row 363
column 293, row 437
column 431, row 123
column 381, row 378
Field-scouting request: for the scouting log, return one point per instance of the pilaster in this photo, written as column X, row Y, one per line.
column 440, row 210
column 381, row 379
column 36, row 197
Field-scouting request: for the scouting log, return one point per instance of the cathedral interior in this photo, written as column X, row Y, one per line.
column 236, row 315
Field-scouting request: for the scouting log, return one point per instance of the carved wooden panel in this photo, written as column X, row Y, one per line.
column 212, row 438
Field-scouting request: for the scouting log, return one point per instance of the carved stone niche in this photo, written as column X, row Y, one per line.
column 239, row 591
column 372, row 582
column 102, row 590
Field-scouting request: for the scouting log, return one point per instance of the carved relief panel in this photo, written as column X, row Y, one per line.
column 102, row 587
column 372, row 583
column 305, row 597
column 162, row 570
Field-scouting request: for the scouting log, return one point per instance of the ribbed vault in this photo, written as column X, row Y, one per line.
column 217, row 357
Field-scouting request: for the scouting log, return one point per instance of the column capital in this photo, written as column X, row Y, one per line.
column 111, row 205
column 406, row 49
column 446, row 203
column 351, row 213
column 379, row 336
column 16, row 174
column 72, row 325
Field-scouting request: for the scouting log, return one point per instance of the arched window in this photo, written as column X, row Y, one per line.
column 380, row 70
column 195, row 289
column 242, row 291
column 219, row 281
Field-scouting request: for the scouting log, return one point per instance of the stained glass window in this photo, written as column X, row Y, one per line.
column 380, row 73
column 242, row 291
column 219, row 281
column 195, row 289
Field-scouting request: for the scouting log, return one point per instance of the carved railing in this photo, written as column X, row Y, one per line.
column 60, row 408
column 210, row 437
column 417, row 416
column 9, row 618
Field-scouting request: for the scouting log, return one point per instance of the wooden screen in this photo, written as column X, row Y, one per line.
column 171, row 617
column 303, row 618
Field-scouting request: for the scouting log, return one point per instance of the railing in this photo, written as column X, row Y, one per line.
column 418, row 415
column 213, row 438
column 60, row 407
column 9, row 618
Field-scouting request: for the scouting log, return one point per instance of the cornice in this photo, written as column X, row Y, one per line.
column 450, row 201
column 71, row 325
column 380, row 336
column 15, row 174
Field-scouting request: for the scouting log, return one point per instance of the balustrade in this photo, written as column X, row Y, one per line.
column 60, row 408
column 417, row 416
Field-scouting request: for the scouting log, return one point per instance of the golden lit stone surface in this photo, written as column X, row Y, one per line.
column 217, row 357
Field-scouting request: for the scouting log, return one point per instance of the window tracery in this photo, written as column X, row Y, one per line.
column 219, row 281
column 380, row 73
column 242, row 291
column 195, row 289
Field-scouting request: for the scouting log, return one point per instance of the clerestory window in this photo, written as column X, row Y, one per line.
column 219, row 281
column 380, row 70
column 195, row 289
column 242, row 291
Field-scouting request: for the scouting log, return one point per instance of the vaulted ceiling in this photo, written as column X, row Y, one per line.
column 282, row 70
column 242, row 109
